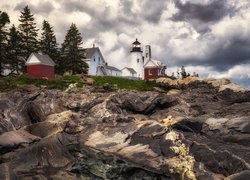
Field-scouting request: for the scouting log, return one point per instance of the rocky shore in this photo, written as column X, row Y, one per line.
column 186, row 130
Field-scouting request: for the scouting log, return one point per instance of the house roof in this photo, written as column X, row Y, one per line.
column 131, row 70
column 40, row 58
column 153, row 63
column 112, row 68
column 91, row 51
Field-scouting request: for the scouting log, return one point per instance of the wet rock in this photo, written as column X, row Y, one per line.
column 16, row 138
column 142, row 103
column 43, row 158
column 245, row 175
column 195, row 132
column 99, row 165
column 230, row 97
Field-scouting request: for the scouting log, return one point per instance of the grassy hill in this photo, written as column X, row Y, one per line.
column 13, row 82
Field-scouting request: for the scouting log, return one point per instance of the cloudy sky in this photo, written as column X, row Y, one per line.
column 211, row 37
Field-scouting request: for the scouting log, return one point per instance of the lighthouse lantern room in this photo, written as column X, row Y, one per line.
column 136, row 46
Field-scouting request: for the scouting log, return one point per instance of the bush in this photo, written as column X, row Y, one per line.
column 72, row 78
column 124, row 83
column 11, row 82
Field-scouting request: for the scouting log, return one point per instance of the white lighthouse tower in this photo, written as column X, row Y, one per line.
column 137, row 60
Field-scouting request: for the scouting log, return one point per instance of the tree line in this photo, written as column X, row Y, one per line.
column 17, row 43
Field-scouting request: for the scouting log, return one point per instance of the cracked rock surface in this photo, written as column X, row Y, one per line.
column 197, row 132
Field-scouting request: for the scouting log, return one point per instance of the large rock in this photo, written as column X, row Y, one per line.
column 220, row 84
column 196, row 133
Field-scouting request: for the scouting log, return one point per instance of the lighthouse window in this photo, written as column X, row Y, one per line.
column 94, row 58
column 146, row 55
column 138, row 60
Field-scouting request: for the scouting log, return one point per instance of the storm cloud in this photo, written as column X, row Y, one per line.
column 43, row 7
column 212, row 11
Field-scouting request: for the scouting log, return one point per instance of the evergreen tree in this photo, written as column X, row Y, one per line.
column 183, row 72
column 28, row 30
column 14, row 51
column 48, row 44
column 72, row 53
column 4, row 19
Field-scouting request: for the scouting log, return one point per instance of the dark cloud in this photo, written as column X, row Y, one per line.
column 230, row 52
column 201, row 28
column 211, row 12
column 182, row 36
column 43, row 8
column 149, row 11
column 223, row 54
column 99, row 16
column 102, row 19
column 152, row 11
column 20, row 6
column 126, row 6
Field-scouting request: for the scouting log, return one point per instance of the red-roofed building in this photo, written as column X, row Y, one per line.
column 40, row 66
column 154, row 69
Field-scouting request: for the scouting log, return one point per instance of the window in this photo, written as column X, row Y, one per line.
column 138, row 60
column 146, row 55
column 99, row 60
column 159, row 72
column 149, row 72
column 94, row 58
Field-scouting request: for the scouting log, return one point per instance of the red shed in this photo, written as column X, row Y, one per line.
column 154, row 69
column 40, row 66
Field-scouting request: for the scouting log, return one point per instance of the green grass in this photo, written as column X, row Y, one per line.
column 13, row 82
column 124, row 83
column 72, row 78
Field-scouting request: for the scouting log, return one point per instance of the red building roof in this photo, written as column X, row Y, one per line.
column 39, row 59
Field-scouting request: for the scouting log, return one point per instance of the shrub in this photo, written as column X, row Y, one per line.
column 124, row 83
column 72, row 78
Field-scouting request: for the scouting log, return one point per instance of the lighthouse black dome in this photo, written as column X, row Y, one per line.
column 136, row 46
column 136, row 42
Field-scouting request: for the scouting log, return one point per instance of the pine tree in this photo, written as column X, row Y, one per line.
column 4, row 19
column 72, row 53
column 183, row 72
column 28, row 30
column 14, row 51
column 49, row 45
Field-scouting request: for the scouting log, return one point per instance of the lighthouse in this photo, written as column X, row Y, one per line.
column 137, row 60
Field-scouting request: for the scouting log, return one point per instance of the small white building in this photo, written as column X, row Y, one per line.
column 95, row 60
column 97, row 64
column 129, row 72
column 112, row 71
